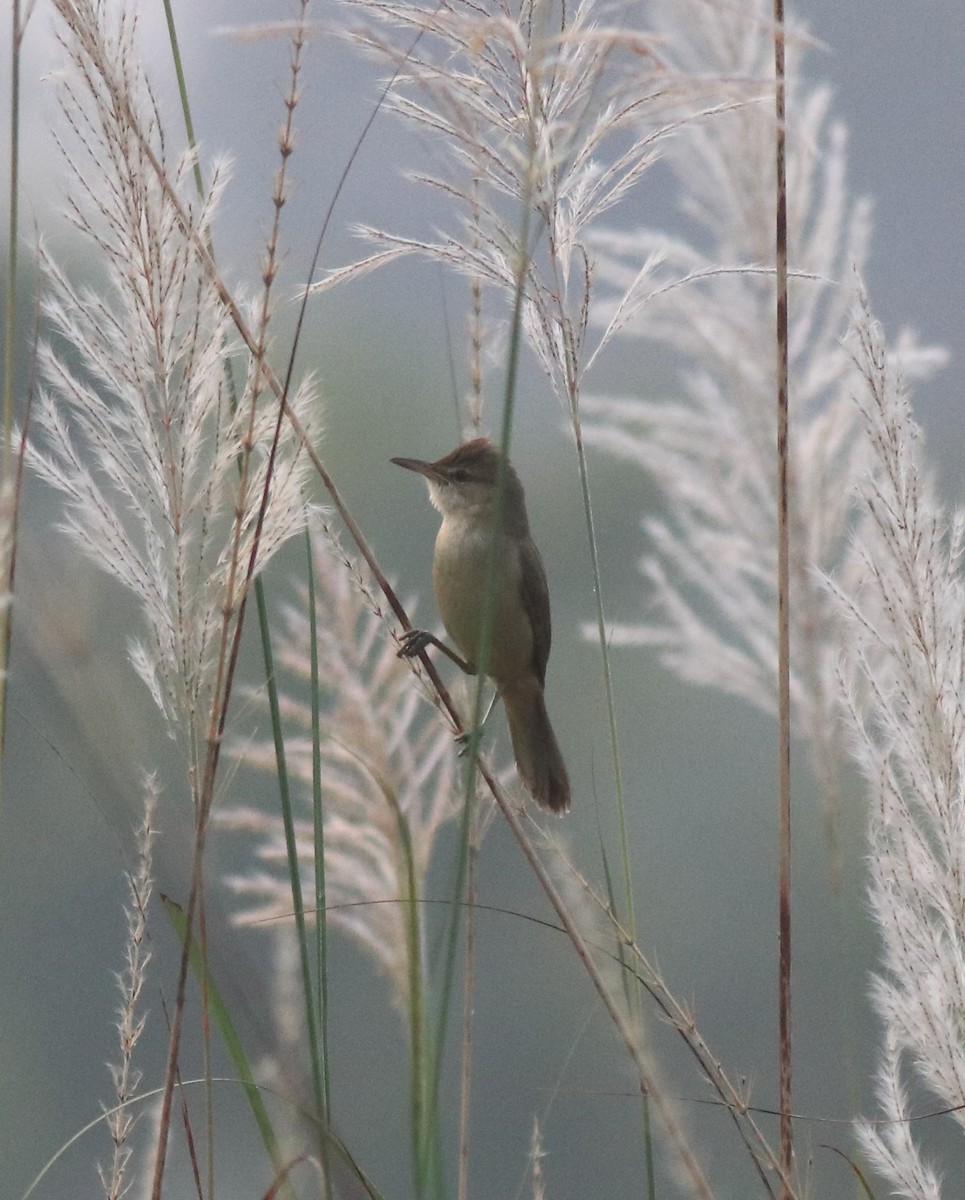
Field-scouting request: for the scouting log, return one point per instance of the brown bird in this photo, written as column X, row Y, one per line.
column 462, row 486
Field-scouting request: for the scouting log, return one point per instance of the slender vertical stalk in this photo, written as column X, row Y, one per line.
column 12, row 229
column 178, row 64
column 783, row 609
column 291, row 845
column 7, row 483
column 465, row 1090
column 474, row 769
column 321, row 891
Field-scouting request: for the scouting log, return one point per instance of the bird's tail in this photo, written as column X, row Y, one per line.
column 538, row 758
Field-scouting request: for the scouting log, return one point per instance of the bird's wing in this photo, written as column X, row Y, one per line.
column 536, row 602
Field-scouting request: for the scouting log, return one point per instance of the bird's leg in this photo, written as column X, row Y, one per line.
column 414, row 641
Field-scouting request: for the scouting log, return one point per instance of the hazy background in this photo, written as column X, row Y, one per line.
column 700, row 768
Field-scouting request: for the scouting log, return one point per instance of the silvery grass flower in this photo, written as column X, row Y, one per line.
column 706, row 307
column 903, row 669
column 121, row 1116
column 543, row 117
column 390, row 778
column 162, row 467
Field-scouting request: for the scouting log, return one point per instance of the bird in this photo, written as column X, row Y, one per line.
column 463, row 487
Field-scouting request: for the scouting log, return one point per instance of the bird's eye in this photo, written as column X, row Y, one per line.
column 460, row 475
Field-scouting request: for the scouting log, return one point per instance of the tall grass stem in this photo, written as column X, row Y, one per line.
column 783, row 607
column 321, row 892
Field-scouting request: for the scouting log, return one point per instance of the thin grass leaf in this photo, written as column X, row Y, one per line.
column 229, row 1035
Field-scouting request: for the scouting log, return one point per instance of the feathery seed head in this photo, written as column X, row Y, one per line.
column 162, row 471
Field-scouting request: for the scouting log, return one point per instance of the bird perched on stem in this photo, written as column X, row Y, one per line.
column 463, row 486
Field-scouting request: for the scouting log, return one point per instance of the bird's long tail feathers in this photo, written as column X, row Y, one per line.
column 538, row 758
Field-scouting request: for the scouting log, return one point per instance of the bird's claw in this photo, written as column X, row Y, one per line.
column 465, row 739
column 413, row 642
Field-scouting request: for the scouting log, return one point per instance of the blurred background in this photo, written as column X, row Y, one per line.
column 701, row 768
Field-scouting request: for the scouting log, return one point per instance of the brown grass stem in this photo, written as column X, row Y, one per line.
column 783, row 609
column 9, row 486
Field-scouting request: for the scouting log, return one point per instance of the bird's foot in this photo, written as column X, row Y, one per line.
column 467, row 738
column 413, row 642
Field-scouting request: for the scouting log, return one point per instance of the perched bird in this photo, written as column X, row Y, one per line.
column 462, row 486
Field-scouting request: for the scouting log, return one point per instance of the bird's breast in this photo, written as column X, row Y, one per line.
column 460, row 574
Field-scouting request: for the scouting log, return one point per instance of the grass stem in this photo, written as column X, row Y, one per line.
column 783, row 608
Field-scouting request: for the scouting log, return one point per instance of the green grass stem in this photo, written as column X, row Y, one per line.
column 454, row 925
column 321, row 895
column 291, row 846
column 424, row 1134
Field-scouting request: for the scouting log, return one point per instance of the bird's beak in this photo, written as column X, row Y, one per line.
column 429, row 470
